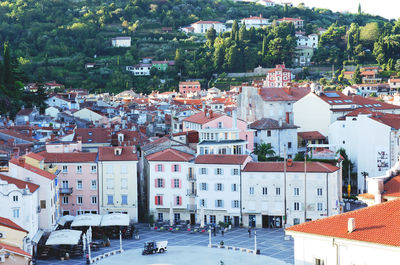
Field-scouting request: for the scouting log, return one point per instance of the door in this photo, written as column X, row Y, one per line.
column 236, row 222
column 265, row 221
column 252, row 221
column 192, row 219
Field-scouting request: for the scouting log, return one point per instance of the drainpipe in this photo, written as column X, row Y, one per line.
column 336, row 251
column 241, row 205
column 327, row 195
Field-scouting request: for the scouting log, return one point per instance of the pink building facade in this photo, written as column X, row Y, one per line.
column 278, row 77
column 189, row 87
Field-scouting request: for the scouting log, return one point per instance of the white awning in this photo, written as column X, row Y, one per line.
column 86, row 220
column 36, row 238
column 118, row 219
column 64, row 219
column 64, row 237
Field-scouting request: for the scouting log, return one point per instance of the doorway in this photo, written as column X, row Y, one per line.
column 265, row 223
column 192, row 219
column 236, row 221
column 252, row 221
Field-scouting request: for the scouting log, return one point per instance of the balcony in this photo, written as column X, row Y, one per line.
column 67, row 191
column 191, row 177
column 191, row 192
column 191, row 207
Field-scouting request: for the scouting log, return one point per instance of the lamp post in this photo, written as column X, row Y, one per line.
column 255, row 242
column 209, row 238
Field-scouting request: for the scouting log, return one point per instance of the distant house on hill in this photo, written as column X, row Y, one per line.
column 201, row 27
column 121, row 42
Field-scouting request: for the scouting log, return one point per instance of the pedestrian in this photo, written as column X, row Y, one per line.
column 249, row 232
column 222, row 232
column 215, row 231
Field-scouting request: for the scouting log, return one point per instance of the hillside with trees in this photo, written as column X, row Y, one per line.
column 54, row 39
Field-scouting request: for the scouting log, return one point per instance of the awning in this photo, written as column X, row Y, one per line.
column 36, row 238
column 64, row 219
column 118, row 219
column 64, row 237
column 86, row 220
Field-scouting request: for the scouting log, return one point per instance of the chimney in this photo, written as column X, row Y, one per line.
column 211, row 114
column 30, row 131
column 205, row 112
column 21, row 162
column 289, row 162
column 351, row 225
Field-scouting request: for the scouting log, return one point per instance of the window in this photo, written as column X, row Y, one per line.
column 79, row 185
column 15, row 198
column 124, row 199
column 79, row 200
column 278, row 191
column 264, row 190
column 124, row 169
column 213, row 219
column 235, row 204
column 43, row 204
column 93, row 200
column 203, row 203
column 176, row 168
column 178, row 200
column 218, row 187
column 109, row 169
column 296, row 221
column 176, row 183
column 289, row 144
column 297, row 206
column 160, row 217
column 159, row 200
column 159, row 183
column 268, row 133
column 94, row 168
column 203, row 186
column 93, row 184
column 235, row 171
column 64, row 184
column 234, row 187
column 296, row 192
column 219, row 171
column 319, row 262
column 159, row 168
column 65, row 169
column 110, row 184
column 219, row 203
column 177, row 217
column 251, row 190
column 203, row 171
column 16, row 213
column 79, row 169
column 319, row 206
column 110, row 199
column 319, row 192
column 124, row 183
column 65, row 200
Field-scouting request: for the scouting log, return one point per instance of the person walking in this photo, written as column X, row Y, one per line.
column 222, row 232
column 249, row 232
column 215, row 231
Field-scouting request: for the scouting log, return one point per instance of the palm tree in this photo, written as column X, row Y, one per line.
column 263, row 151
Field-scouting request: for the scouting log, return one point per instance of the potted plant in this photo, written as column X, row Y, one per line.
column 221, row 244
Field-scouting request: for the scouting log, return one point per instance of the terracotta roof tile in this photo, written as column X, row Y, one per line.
column 7, row 222
column 75, row 157
column 375, row 224
column 202, row 117
column 221, row 159
column 280, row 94
column 35, row 170
column 170, row 155
column 20, row 183
column 35, row 156
column 15, row 250
column 270, row 124
column 296, row 167
column 93, row 135
column 312, row 135
column 392, row 187
column 108, row 154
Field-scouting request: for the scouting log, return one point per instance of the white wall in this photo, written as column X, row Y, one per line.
column 278, row 139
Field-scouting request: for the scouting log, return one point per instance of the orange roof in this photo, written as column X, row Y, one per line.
column 185, row 83
column 279, row 94
column 312, row 135
column 221, row 159
column 35, row 156
column 170, row 155
column 368, row 73
column 375, row 224
column 15, row 250
column 207, row 22
column 202, row 118
column 108, row 154
column 392, row 187
column 20, row 183
column 35, row 170
column 367, row 196
column 296, row 167
column 289, row 19
column 76, row 157
column 10, row 224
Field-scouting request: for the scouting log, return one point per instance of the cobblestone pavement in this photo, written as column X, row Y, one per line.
column 270, row 242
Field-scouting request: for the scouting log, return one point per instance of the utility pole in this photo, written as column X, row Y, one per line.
column 284, row 185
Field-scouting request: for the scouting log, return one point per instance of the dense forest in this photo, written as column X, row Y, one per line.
column 54, row 39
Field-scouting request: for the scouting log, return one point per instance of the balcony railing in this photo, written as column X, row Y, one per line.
column 191, row 177
column 191, row 192
column 65, row 190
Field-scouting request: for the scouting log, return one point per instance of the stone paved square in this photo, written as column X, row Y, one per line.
column 270, row 242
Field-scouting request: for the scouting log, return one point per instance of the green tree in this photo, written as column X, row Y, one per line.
column 242, row 33
column 263, row 151
column 211, row 35
column 234, row 30
column 218, row 59
column 359, row 8
column 357, row 76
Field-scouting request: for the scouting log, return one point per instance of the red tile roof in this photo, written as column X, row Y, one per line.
column 93, row 135
column 221, row 159
column 20, row 183
column 190, row 83
column 296, row 167
column 18, row 135
column 202, row 118
column 15, row 250
column 392, row 120
column 367, row 196
column 10, row 224
column 76, row 157
column 392, row 187
column 375, row 224
column 108, row 154
column 25, row 112
column 170, row 155
column 289, row 19
column 35, row 156
column 280, row 94
column 379, row 105
column 312, row 135
column 35, row 170
column 207, row 22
